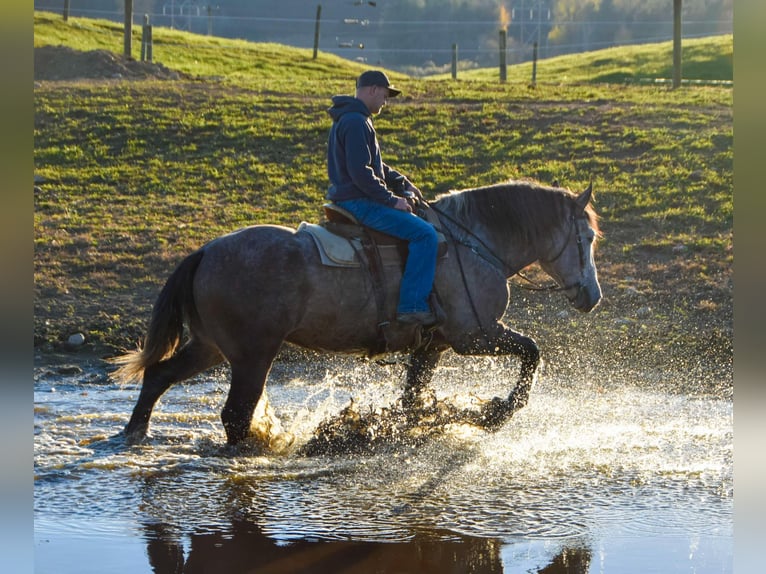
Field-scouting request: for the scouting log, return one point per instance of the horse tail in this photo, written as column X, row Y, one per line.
column 174, row 307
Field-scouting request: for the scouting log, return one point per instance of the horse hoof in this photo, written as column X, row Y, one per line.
column 134, row 437
column 495, row 413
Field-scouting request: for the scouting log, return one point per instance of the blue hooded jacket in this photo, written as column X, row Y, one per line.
column 354, row 165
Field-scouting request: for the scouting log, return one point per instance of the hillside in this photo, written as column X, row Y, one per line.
column 134, row 172
column 202, row 57
column 704, row 60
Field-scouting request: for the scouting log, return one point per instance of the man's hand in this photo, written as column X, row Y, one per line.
column 402, row 205
column 415, row 190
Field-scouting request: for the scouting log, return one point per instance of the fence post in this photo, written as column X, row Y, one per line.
column 66, row 10
column 316, row 30
column 503, row 70
column 454, row 61
column 149, row 43
column 534, row 64
column 143, row 38
column 146, row 40
column 128, row 29
column 676, row 43
column 209, row 20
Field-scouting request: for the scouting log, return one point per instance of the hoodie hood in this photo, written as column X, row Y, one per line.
column 346, row 104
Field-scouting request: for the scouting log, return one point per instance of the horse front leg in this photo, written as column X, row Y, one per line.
column 497, row 411
column 248, row 378
column 419, row 374
column 529, row 353
column 247, row 382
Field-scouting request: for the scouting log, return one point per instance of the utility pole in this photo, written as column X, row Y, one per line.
column 529, row 16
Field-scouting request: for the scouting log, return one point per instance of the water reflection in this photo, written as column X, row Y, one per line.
column 243, row 548
column 252, row 524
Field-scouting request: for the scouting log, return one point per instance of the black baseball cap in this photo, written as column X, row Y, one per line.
column 377, row 78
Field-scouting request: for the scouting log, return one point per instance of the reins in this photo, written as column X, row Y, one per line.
column 491, row 257
column 495, row 261
column 439, row 214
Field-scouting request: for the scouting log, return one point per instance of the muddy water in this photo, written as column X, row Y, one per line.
column 597, row 474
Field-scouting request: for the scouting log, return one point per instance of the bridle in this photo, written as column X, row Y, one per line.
column 486, row 253
column 580, row 251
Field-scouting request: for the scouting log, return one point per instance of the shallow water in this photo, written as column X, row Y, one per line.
column 595, row 475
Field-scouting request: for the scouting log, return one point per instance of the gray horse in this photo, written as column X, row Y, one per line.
column 245, row 293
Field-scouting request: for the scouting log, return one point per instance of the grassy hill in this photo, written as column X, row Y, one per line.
column 708, row 59
column 132, row 175
column 206, row 57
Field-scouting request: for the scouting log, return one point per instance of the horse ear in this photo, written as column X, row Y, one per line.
column 584, row 198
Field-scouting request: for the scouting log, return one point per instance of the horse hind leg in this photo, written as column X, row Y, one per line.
column 248, row 378
column 194, row 357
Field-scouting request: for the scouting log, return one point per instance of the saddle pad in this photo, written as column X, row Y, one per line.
column 334, row 250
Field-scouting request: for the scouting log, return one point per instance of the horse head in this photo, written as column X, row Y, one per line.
column 569, row 260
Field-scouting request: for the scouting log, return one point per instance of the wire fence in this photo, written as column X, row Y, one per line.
column 429, row 42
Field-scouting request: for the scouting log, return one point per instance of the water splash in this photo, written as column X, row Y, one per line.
column 584, row 458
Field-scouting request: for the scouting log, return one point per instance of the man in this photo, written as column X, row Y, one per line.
column 375, row 193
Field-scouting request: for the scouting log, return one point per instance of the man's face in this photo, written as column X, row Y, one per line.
column 377, row 96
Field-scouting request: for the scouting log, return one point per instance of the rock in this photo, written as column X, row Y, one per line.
column 643, row 311
column 76, row 339
column 68, row 370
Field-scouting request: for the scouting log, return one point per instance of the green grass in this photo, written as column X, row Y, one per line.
column 269, row 66
column 703, row 59
column 139, row 173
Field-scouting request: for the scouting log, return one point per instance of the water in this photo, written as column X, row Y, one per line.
column 592, row 476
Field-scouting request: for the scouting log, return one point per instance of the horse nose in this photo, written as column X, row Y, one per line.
column 587, row 298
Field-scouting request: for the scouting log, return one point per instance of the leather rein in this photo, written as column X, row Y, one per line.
column 492, row 258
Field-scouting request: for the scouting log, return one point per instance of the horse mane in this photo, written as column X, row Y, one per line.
column 525, row 208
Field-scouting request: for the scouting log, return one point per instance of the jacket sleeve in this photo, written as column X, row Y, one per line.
column 359, row 159
column 394, row 180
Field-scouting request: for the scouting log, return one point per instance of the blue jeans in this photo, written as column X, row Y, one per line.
column 418, row 278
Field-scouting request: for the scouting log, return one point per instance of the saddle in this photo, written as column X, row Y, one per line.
column 340, row 240
column 344, row 242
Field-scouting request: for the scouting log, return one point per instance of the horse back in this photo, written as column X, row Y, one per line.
column 268, row 282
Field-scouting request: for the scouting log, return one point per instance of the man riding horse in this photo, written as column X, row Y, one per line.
column 376, row 195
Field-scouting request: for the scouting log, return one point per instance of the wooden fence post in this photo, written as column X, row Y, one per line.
column 534, row 64
column 146, row 40
column 454, row 61
column 676, row 43
column 149, row 44
column 143, row 38
column 503, row 70
column 66, row 10
column 128, row 29
column 316, row 30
